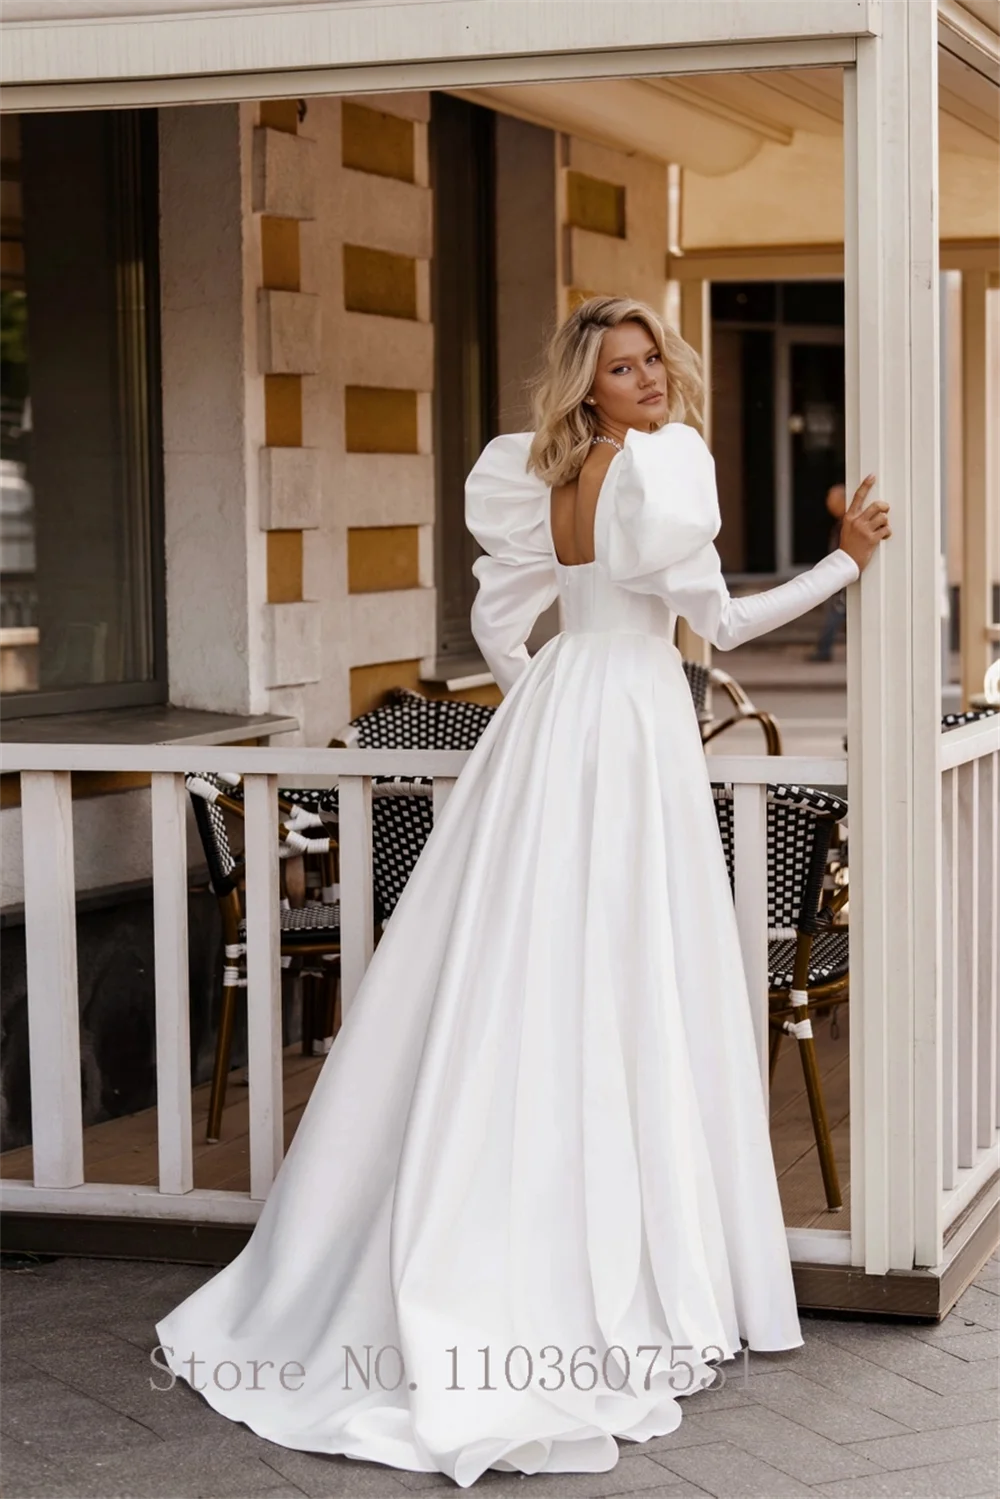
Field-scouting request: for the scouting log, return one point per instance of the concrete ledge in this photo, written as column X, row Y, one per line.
column 284, row 174
column 289, row 489
column 384, row 213
column 386, row 489
column 288, row 332
column 395, row 625
column 389, row 352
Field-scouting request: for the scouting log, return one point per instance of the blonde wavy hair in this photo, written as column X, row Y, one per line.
column 564, row 425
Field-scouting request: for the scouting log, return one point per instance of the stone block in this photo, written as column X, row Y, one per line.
column 289, row 489
column 284, row 174
column 292, row 648
column 288, row 332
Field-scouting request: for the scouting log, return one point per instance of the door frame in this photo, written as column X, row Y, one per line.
column 785, row 334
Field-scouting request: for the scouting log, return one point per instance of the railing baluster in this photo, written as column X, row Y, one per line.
column 173, row 1031
column 263, row 938
column 357, row 913
column 442, row 790
column 950, row 855
column 967, row 944
column 750, row 861
column 53, row 1003
column 988, row 894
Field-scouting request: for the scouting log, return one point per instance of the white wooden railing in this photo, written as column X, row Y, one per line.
column 970, row 1035
column 58, row 1184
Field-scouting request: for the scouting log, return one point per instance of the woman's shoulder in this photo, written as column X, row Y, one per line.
column 674, row 442
column 504, row 457
column 663, row 505
column 504, row 501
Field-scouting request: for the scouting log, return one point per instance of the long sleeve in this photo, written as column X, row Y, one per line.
column 505, row 512
column 510, row 598
column 697, row 590
column 657, row 534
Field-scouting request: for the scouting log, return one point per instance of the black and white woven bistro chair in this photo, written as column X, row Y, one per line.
column 402, row 806
column 973, row 715
column 701, row 679
column 956, row 720
column 408, row 720
column 308, row 930
column 808, row 952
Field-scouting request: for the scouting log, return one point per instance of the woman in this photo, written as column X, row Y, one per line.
column 532, row 1200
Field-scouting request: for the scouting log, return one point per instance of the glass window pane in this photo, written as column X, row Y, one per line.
column 78, row 565
column 744, row 301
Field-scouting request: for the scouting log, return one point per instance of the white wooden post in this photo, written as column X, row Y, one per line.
column 263, row 937
column 750, row 868
column 894, row 666
column 977, row 569
column 951, row 852
column 53, row 1003
column 988, row 895
column 443, row 786
column 173, row 1028
column 356, row 909
column 967, row 944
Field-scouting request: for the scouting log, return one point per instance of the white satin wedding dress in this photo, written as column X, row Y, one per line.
column 535, row 1173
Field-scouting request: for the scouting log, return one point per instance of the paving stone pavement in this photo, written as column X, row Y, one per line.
column 865, row 1410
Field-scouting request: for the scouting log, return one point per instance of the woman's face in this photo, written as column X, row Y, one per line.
column 630, row 384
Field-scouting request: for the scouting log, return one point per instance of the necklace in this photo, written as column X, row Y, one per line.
column 612, row 440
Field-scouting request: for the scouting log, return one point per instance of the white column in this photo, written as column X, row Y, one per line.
column 977, row 560
column 894, row 659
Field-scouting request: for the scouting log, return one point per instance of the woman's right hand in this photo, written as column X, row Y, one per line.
column 864, row 526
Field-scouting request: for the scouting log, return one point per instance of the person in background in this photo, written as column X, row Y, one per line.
column 836, row 607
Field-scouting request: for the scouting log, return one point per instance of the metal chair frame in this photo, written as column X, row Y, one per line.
column 225, row 872
column 701, row 679
column 807, row 816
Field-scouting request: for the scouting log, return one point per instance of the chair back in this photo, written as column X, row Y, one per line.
column 224, row 868
column 408, row 720
column 956, row 720
column 800, row 823
column 402, row 806
column 699, row 679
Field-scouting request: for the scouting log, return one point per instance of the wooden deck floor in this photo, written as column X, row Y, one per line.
column 124, row 1150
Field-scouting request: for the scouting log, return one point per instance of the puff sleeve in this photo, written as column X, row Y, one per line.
column 505, row 512
column 657, row 535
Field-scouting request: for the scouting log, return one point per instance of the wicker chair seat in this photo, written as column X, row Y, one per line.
column 829, row 959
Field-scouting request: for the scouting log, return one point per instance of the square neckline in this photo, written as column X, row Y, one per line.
column 570, row 567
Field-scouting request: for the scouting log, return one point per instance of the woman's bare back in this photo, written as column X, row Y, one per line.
column 573, row 506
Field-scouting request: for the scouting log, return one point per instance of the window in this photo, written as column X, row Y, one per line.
column 81, row 547
column 465, row 415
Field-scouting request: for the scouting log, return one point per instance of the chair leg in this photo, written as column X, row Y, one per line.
column 338, row 1017
column 331, row 989
column 775, row 1047
column 821, row 1127
column 220, row 1071
column 308, row 983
